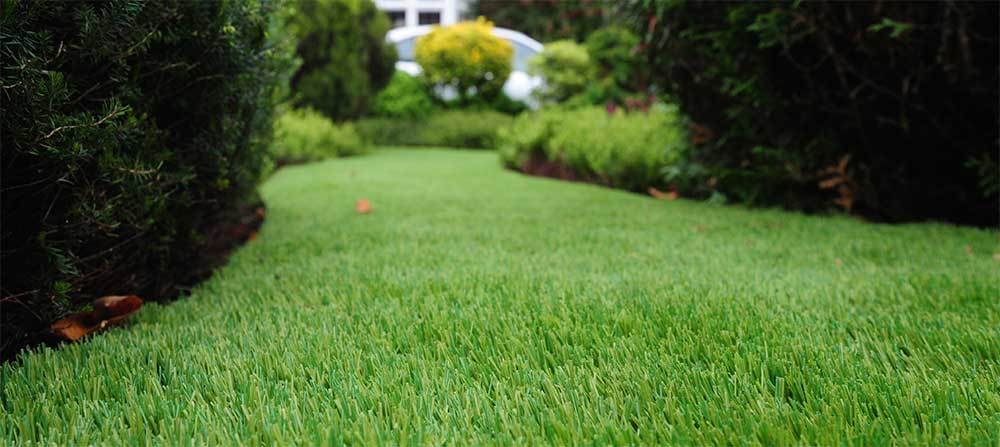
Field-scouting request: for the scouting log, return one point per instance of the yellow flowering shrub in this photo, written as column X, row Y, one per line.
column 466, row 56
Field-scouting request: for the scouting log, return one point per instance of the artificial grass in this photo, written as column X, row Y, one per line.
column 480, row 306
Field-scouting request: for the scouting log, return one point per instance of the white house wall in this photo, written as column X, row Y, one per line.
column 451, row 11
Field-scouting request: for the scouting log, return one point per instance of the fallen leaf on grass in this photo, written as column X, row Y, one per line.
column 107, row 311
column 968, row 250
column 660, row 195
column 838, row 262
column 363, row 206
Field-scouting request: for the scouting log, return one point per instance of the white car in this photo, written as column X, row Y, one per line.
column 519, row 84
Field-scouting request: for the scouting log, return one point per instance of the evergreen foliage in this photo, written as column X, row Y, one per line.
column 345, row 60
column 889, row 109
column 129, row 129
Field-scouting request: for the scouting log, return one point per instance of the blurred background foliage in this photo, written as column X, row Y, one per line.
column 547, row 20
column 467, row 57
column 343, row 57
column 888, row 109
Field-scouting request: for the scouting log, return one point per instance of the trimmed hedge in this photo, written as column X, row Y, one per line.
column 130, row 129
column 404, row 97
column 474, row 129
column 889, row 108
column 621, row 150
column 306, row 135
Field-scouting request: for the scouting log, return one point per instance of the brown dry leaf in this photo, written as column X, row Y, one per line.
column 968, row 250
column 996, row 257
column 252, row 236
column 699, row 228
column 108, row 311
column 71, row 328
column 844, row 202
column 660, row 195
column 363, row 206
column 838, row 262
column 831, row 182
column 700, row 134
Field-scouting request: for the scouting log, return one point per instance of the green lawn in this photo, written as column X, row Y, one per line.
column 476, row 305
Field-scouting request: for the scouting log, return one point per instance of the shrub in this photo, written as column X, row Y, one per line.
column 458, row 128
column 404, row 97
column 501, row 103
column 125, row 140
column 565, row 66
column 905, row 94
column 622, row 150
column 466, row 56
column 306, row 135
column 617, row 67
column 345, row 59
column 546, row 20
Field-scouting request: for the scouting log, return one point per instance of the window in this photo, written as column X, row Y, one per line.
column 429, row 18
column 397, row 18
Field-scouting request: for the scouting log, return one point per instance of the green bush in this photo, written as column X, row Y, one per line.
column 454, row 128
column 129, row 131
column 500, row 103
column 622, row 150
column 404, row 97
column 565, row 66
column 307, row 135
column 466, row 56
column 904, row 94
column 546, row 20
column 345, row 60
column 617, row 67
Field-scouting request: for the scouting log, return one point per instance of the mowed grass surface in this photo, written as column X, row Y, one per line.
column 478, row 306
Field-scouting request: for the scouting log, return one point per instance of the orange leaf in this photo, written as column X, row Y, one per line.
column 363, row 206
column 831, row 182
column 71, row 328
column 108, row 311
column 660, row 195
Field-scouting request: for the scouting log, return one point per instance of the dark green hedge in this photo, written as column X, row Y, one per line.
column 781, row 92
column 130, row 130
column 345, row 58
column 468, row 128
column 546, row 20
